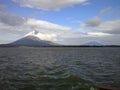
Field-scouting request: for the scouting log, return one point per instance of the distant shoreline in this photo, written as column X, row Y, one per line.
column 6, row 45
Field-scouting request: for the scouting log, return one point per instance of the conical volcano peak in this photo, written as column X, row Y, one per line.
column 35, row 32
column 42, row 36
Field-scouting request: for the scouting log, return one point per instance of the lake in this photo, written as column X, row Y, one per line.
column 59, row 68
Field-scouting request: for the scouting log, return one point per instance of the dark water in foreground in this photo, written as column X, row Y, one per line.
column 59, row 68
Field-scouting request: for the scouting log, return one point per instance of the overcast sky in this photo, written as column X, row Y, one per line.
column 72, row 22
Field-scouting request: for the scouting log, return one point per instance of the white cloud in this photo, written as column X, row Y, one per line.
column 104, row 11
column 49, row 37
column 98, row 34
column 2, row 7
column 109, row 12
column 93, row 22
column 49, row 4
column 16, row 25
column 97, row 25
column 11, row 19
column 106, row 32
column 111, row 27
column 45, row 25
column 106, row 40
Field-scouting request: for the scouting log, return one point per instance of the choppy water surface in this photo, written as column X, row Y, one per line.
column 59, row 68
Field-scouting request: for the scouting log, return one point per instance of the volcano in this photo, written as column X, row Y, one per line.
column 34, row 38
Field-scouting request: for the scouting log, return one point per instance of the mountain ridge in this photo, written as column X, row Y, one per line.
column 93, row 43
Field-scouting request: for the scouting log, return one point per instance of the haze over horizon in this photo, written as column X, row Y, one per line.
column 70, row 22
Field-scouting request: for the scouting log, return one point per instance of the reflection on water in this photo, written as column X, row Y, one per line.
column 63, row 68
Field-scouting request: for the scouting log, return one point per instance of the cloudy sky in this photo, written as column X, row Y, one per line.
column 71, row 22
